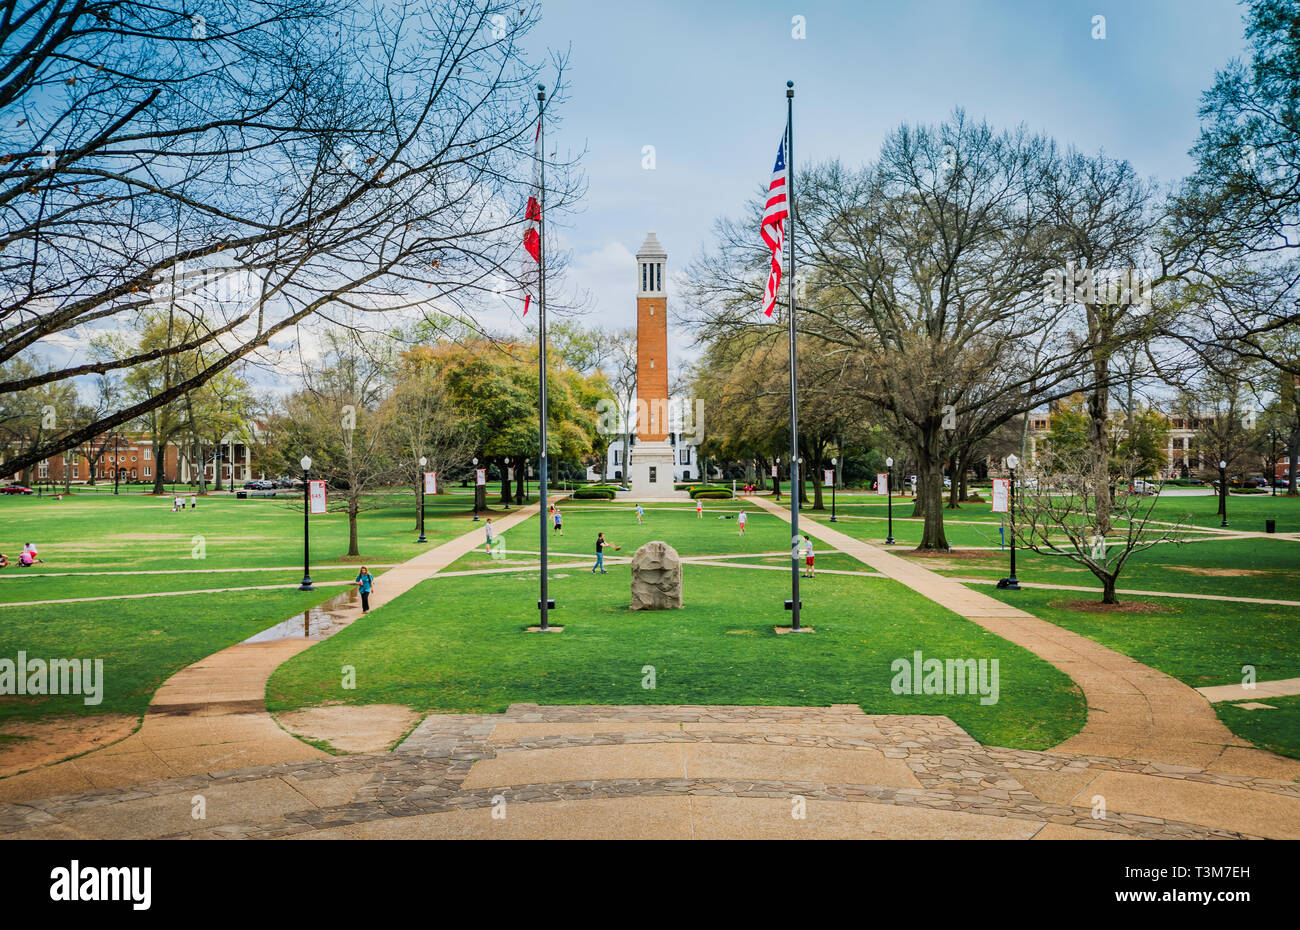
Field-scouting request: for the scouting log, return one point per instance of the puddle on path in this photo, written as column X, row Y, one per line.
column 319, row 622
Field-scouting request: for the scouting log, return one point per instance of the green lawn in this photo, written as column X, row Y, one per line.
column 139, row 532
column 141, row 642
column 1278, row 729
column 457, row 644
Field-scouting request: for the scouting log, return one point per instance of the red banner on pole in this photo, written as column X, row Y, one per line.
column 316, row 496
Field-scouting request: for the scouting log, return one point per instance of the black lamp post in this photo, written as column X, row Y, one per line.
column 1012, row 583
column 474, row 484
column 117, row 465
column 776, row 480
column 834, row 462
column 306, row 532
column 889, row 498
column 505, row 463
column 1223, row 489
column 420, row 487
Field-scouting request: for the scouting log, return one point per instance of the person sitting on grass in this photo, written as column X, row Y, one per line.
column 4, row 561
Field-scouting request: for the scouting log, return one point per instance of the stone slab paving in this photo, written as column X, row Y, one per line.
column 1134, row 711
column 211, row 716
column 732, row 772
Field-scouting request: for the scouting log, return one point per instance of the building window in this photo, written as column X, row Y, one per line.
column 43, row 470
column 686, row 456
column 653, row 472
column 74, row 471
column 148, row 472
column 133, row 474
column 148, row 454
column 133, row 458
column 645, row 276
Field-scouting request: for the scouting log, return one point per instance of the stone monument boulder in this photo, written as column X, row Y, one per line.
column 656, row 577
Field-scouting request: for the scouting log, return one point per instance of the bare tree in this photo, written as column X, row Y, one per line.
column 270, row 158
column 1057, row 515
column 926, row 268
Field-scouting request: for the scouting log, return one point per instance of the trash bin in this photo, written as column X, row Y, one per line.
column 241, row 495
column 1270, row 526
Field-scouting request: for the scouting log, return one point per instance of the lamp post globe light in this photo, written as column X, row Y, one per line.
column 474, row 486
column 1012, row 583
column 306, row 533
column 834, row 462
column 419, row 483
column 889, row 498
column 1223, row 489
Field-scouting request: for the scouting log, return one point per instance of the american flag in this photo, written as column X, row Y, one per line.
column 773, row 228
column 533, row 216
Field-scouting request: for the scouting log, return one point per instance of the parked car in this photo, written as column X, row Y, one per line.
column 1144, row 487
column 1256, row 482
column 16, row 489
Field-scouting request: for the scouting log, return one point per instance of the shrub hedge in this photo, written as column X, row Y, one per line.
column 710, row 492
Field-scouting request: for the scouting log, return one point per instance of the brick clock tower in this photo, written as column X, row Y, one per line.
column 650, row 462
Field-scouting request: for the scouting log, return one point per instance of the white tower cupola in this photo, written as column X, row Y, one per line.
column 651, row 259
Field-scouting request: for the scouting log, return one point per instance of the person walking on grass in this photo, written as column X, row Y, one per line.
column 600, row 554
column 741, row 519
column 487, row 529
column 808, row 573
column 364, row 582
column 699, row 508
column 559, row 522
column 640, row 512
column 194, row 502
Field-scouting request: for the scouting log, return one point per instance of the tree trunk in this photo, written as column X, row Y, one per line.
column 955, row 489
column 929, row 495
column 521, row 471
column 1108, row 590
column 964, row 494
column 1292, row 453
column 354, row 503
column 818, row 465
column 505, row 482
column 1099, row 436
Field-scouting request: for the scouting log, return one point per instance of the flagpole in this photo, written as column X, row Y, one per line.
column 796, row 479
column 543, row 603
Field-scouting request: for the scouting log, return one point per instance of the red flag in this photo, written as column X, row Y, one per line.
column 533, row 216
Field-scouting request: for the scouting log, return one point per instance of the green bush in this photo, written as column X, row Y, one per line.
column 710, row 492
column 595, row 493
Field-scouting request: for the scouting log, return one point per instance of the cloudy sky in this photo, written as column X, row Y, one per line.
column 704, row 81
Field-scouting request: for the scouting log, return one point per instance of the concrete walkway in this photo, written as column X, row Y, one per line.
column 211, row 716
column 1134, row 711
column 1282, row 687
